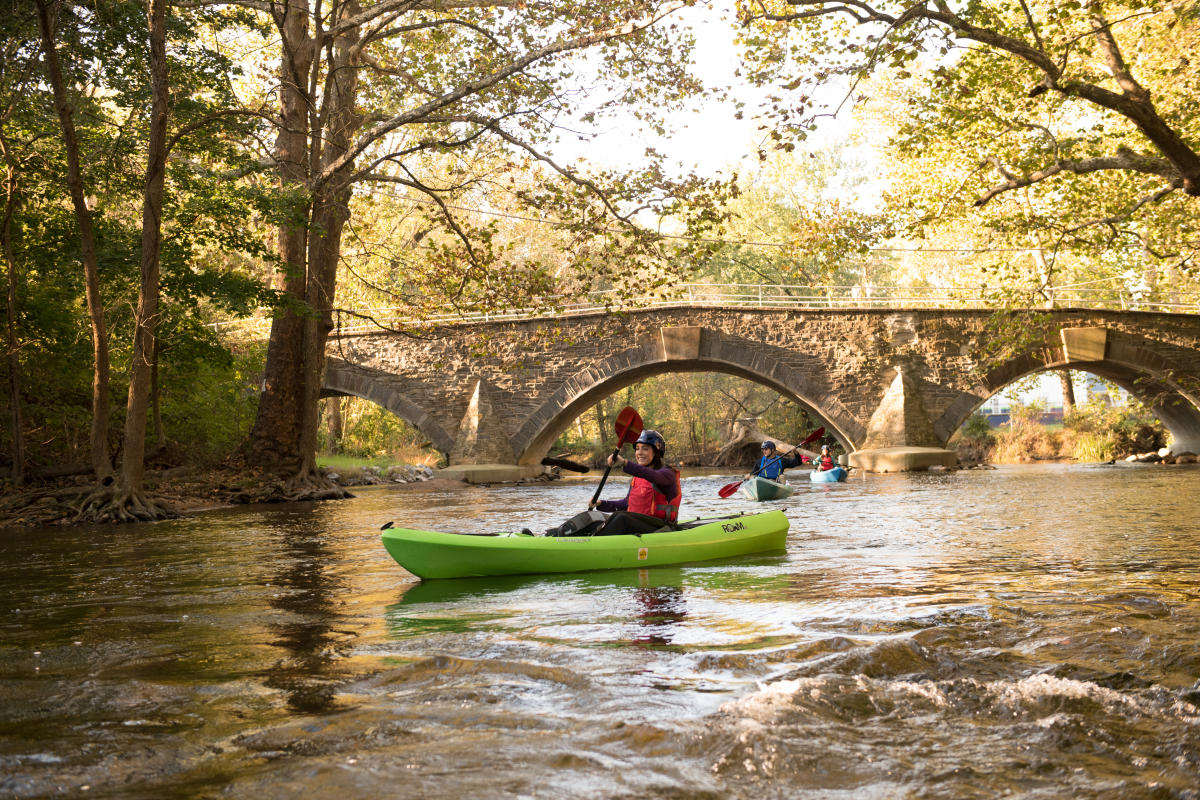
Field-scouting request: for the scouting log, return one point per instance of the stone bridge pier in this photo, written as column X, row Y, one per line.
column 891, row 386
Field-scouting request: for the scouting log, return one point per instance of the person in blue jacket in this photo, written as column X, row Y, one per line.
column 772, row 465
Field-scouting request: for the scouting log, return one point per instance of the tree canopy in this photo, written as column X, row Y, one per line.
column 400, row 158
column 1064, row 127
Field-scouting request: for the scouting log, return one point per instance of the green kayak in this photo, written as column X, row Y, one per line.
column 430, row 554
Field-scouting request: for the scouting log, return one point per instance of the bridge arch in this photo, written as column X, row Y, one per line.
column 724, row 354
column 885, row 381
column 1128, row 360
column 344, row 379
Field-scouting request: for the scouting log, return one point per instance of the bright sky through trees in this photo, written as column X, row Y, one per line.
column 707, row 136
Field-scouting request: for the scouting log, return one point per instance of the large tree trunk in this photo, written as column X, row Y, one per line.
column 336, row 427
column 146, row 319
column 285, row 431
column 275, row 438
column 126, row 502
column 1068, row 391
column 331, row 210
column 100, row 453
column 14, row 362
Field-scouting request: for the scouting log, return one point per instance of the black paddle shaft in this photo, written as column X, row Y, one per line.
column 603, row 478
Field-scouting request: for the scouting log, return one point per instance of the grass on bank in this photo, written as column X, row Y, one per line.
column 369, row 437
column 338, row 462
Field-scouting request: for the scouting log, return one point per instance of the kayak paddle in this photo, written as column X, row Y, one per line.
column 565, row 463
column 629, row 428
column 730, row 488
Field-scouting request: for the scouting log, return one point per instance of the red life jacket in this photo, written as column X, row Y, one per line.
column 826, row 462
column 645, row 498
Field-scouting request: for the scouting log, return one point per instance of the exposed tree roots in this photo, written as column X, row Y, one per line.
column 112, row 504
column 311, row 486
column 41, row 506
column 77, row 500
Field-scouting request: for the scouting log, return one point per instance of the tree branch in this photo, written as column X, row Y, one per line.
column 1133, row 102
column 483, row 83
column 1125, row 160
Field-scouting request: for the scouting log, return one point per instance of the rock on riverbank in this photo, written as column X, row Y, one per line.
column 1163, row 456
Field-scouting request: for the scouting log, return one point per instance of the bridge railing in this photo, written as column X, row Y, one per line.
column 763, row 296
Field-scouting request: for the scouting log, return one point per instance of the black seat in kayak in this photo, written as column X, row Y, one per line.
column 585, row 523
column 631, row 522
column 595, row 523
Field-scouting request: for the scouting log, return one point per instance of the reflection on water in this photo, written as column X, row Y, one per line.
column 307, row 630
column 1024, row 632
column 661, row 608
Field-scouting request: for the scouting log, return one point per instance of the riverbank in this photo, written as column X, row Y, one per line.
column 187, row 490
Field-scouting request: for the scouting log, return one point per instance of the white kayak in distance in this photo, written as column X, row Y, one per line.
column 759, row 488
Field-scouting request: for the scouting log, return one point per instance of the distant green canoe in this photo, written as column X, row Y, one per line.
column 760, row 488
column 431, row 554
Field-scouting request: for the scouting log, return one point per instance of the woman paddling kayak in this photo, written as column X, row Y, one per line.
column 825, row 462
column 654, row 493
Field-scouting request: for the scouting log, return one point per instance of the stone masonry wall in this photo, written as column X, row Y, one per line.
column 539, row 374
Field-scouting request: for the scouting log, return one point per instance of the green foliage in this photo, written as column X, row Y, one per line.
column 1010, row 131
column 1022, row 415
column 372, row 432
column 1093, row 448
column 209, row 396
column 798, row 221
column 1125, row 430
column 214, row 251
column 1095, row 431
column 344, row 463
column 459, row 204
column 694, row 412
column 976, row 427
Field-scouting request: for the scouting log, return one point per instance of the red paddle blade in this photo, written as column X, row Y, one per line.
column 812, row 437
column 629, row 426
column 729, row 488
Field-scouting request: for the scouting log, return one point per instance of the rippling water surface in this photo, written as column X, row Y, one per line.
column 1024, row 632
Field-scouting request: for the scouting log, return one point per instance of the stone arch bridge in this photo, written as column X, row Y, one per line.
column 892, row 386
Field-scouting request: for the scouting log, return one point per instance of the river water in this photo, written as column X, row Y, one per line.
column 1022, row 632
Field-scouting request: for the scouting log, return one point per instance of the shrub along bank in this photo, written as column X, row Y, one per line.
column 1094, row 432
